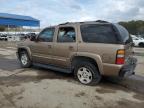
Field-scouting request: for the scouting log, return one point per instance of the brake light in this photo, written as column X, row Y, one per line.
column 120, row 56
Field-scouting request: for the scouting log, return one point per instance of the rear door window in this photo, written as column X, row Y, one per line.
column 98, row 33
column 66, row 34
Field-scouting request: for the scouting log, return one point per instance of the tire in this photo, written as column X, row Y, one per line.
column 141, row 44
column 86, row 73
column 24, row 59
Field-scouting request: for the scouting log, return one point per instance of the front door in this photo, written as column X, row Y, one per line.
column 42, row 48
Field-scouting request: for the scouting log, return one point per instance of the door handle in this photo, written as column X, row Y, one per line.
column 49, row 46
column 71, row 47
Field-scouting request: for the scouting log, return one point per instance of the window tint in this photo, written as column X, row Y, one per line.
column 125, row 37
column 98, row 33
column 46, row 35
column 66, row 34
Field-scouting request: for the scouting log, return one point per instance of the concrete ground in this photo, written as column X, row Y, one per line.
column 41, row 88
column 139, row 52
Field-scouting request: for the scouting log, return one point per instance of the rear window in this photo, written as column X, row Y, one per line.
column 124, row 34
column 97, row 33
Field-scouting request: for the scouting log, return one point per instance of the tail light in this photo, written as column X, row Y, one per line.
column 120, row 56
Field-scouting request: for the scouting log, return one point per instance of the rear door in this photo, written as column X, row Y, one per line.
column 65, row 45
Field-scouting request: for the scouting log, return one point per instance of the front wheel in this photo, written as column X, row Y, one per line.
column 24, row 59
column 87, row 73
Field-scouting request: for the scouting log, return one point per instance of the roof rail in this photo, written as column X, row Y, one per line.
column 64, row 23
column 101, row 21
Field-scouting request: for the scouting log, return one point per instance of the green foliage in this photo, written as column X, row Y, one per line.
column 134, row 27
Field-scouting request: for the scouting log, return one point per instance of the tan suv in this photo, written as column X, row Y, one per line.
column 87, row 49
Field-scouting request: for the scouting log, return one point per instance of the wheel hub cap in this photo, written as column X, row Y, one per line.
column 84, row 75
column 24, row 59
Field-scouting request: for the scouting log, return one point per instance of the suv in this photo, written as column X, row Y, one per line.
column 90, row 50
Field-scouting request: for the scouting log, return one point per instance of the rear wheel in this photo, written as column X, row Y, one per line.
column 87, row 73
column 24, row 59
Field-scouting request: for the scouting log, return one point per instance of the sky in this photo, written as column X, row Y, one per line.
column 52, row 12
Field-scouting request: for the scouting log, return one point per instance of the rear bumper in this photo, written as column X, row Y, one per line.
column 120, row 70
column 129, row 68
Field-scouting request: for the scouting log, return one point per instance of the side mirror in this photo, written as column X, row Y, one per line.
column 33, row 38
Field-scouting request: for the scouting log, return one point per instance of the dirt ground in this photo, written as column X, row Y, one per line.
column 41, row 88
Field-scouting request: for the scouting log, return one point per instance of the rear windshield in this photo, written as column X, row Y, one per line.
column 124, row 34
column 98, row 33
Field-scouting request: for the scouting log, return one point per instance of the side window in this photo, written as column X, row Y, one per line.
column 98, row 34
column 46, row 35
column 66, row 34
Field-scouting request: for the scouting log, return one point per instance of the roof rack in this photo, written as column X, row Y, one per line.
column 64, row 23
column 101, row 21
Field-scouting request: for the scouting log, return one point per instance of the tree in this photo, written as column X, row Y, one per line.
column 134, row 27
